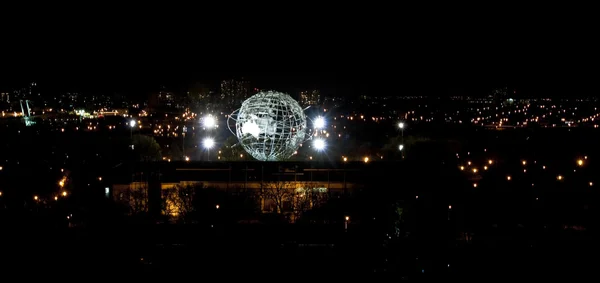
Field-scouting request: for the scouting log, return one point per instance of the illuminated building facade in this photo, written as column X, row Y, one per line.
column 310, row 97
column 234, row 92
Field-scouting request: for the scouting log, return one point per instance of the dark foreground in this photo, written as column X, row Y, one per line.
column 257, row 252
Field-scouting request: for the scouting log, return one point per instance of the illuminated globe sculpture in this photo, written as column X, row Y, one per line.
column 270, row 126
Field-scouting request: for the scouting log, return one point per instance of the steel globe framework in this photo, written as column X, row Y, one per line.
column 270, row 126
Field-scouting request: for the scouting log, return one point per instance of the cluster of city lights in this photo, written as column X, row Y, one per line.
column 474, row 169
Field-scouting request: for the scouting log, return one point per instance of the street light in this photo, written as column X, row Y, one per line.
column 131, row 126
column 209, row 122
column 319, row 123
column 401, row 126
column 401, row 147
column 319, row 144
column 347, row 218
column 208, row 143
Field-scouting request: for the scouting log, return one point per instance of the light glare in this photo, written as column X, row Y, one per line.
column 208, row 143
column 319, row 144
column 209, row 122
column 319, row 123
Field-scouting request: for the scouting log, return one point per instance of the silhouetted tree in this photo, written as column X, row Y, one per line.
column 146, row 149
column 136, row 199
column 308, row 196
column 292, row 198
column 279, row 193
column 232, row 150
column 178, row 201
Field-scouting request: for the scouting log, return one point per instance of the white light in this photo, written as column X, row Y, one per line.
column 106, row 191
column 251, row 128
column 401, row 147
column 208, row 143
column 319, row 144
column 401, row 125
column 209, row 122
column 132, row 123
column 319, row 123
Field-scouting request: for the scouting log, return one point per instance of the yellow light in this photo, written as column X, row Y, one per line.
column 474, row 170
column 508, row 178
column 469, row 163
column 217, row 206
column 347, row 218
column 580, row 162
column 55, row 198
column 485, row 167
column 99, row 178
column 64, row 194
column 345, row 159
column 591, row 184
column 524, row 162
column 490, row 162
column 61, row 183
column 35, row 197
column 366, row 159
column 474, row 185
column 1, row 168
column 462, row 168
column 560, row 177
column 0, row 194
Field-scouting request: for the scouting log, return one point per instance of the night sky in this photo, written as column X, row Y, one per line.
column 379, row 57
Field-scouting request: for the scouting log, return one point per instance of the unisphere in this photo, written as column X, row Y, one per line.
column 271, row 126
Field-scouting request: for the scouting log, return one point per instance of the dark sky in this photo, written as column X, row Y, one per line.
column 391, row 54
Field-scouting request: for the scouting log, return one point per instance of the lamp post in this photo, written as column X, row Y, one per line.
column 131, row 125
column 401, row 126
column 208, row 143
column 183, row 132
column 346, row 219
column 209, row 122
column 319, row 145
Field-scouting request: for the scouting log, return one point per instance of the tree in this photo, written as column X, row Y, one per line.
column 136, row 199
column 146, row 149
column 293, row 198
column 175, row 152
column 308, row 196
column 232, row 150
column 178, row 201
column 280, row 193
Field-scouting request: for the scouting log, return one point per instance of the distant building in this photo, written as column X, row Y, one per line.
column 5, row 97
column 310, row 97
column 234, row 92
column 166, row 99
column 163, row 100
